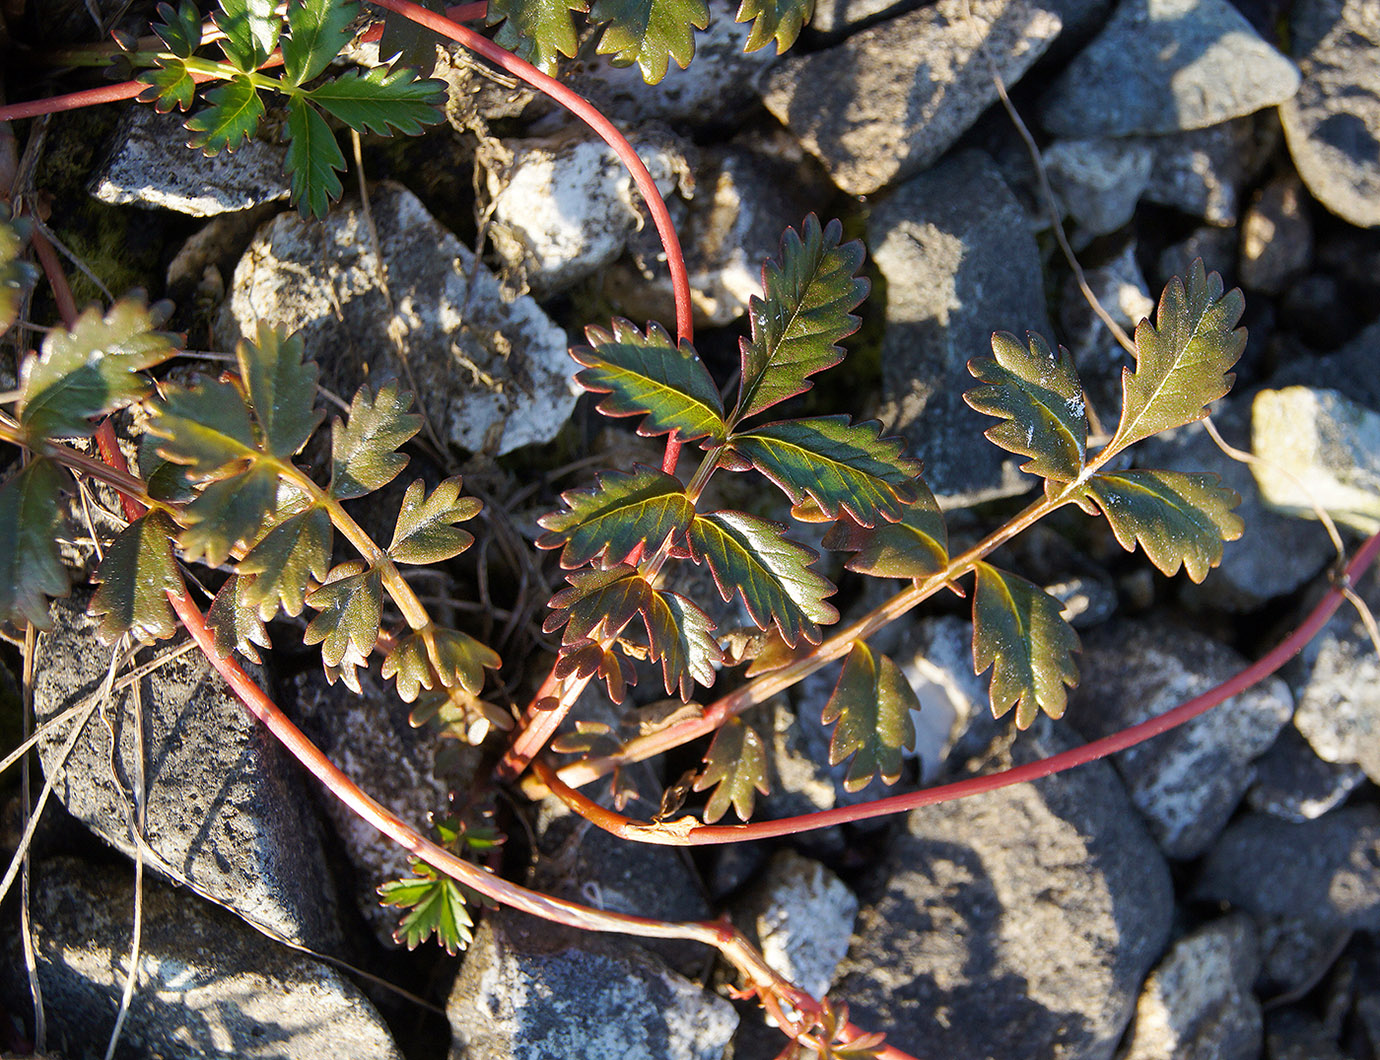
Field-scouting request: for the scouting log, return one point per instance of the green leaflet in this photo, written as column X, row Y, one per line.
column 206, row 427
column 810, row 296
column 317, row 31
column 1019, row 631
column 170, row 85
column 364, row 454
column 436, row 906
column 1179, row 519
column 624, row 510
column 235, row 627
column 649, row 32
column 136, row 575
column 424, row 532
column 227, row 514
column 251, row 31
column 281, row 385
column 313, row 159
column 31, row 568
column 772, row 574
column 682, row 640
column 230, row 117
column 914, row 547
column 180, row 28
column 350, row 603
column 15, row 274
column 736, row 767
column 836, row 463
column 778, row 20
column 459, row 658
column 1182, row 361
column 404, row 43
column 591, row 739
column 1037, row 394
column 599, row 603
column 650, row 376
column 410, row 664
column 89, row 370
column 536, row 30
column 381, row 101
column 871, row 705
column 291, row 554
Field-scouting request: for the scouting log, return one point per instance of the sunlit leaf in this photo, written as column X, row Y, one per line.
column 382, row 101
column 405, row 43
column 135, row 577
column 915, row 547
column 350, row 601
column 750, row 556
column 313, row 159
column 598, row 604
column 1036, row 393
column 871, row 704
column 281, row 384
column 682, row 640
column 778, row 20
column 436, row 906
column 649, row 32
column 810, row 295
column 425, row 531
column 291, row 554
column 459, row 659
column 230, row 117
column 31, row 568
column 228, row 514
column 15, row 273
column 1019, row 631
column 1182, row 361
column 1180, row 519
column 170, row 85
column 410, row 664
column 251, row 31
column 591, row 739
column 179, row 28
column 364, row 454
column 207, row 428
column 624, row 510
column 536, row 30
column 736, row 767
column 233, row 626
column 317, row 31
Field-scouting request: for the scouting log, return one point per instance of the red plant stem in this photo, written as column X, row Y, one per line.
column 57, row 279
column 688, row 832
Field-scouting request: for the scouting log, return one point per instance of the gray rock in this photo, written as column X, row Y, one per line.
column 835, row 15
column 151, row 166
column 1276, row 237
column 208, row 987
column 1333, row 125
column 1328, row 868
column 890, row 100
column 1200, row 171
column 529, row 989
column 937, row 659
column 1187, row 782
column 1348, row 369
column 1291, row 1035
column 226, row 811
column 1293, row 783
column 493, row 374
column 1198, row 1001
column 1296, row 952
column 1165, row 65
column 1216, row 246
column 801, row 917
column 960, row 263
column 1099, row 182
column 986, row 943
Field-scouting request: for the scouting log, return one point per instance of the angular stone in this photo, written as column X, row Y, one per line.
column 1276, row 237
column 890, row 100
column 1293, row 783
column 1099, row 182
column 1161, row 66
column 832, row 15
column 1200, row 171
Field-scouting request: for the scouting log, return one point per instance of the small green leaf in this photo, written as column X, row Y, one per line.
column 170, row 85
column 780, row 20
column 350, row 602
column 437, row 907
column 15, row 273
column 364, row 454
column 536, row 30
column 682, row 640
column 381, row 101
column 89, row 370
column 837, row 464
column 591, row 739
column 872, row 706
column 228, row 514
column 1180, row 519
column 163, row 479
column 251, row 31
column 459, row 659
column 136, row 575
column 650, row 376
column 425, row 531
column 1182, row 361
column 649, row 32
column 282, row 389
column 1019, row 631
column 230, row 117
column 1037, row 394
column 598, row 604
column 750, row 555
column 206, row 427
column 317, row 31
column 31, row 568
column 624, row 510
column 233, row 626
column 410, row 664
column 180, row 28
column 915, row 547
column 313, row 159
column 294, row 551
column 405, row 43
column 736, row 767
column 810, row 296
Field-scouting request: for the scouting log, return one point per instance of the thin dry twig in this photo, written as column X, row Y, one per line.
column 25, row 921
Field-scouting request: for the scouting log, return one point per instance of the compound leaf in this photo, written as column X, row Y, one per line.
column 623, row 510
column 837, row 464
column 537, row 30
column 31, row 568
column 231, row 117
column 282, row 389
column 15, row 274
column 170, row 85
column 681, row 637
column 136, row 575
column 1182, row 360
column 364, row 454
column 436, row 906
column 229, row 513
column 251, row 31
column 598, row 604
column 425, row 531
column 649, row 32
column 459, row 658
column 317, row 31
column 293, row 552
column 1180, row 519
column 1036, row 393
column 1019, row 631
column 313, row 159
column 405, row 43
column 736, row 767
column 180, row 28
column 410, row 664
column 807, row 310
column 915, row 546
column 780, row 20
column 381, row 101
column 750, row 555
column 233, row 626
column 350, row 603
column 648, row 375
column 90, row 369
column 871, row 705
column 205, row 427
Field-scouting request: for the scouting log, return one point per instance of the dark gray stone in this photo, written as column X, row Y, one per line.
column 1350, row 369
column 1216, row 246
column 1296, row 952
column 1099, row 182
column 1293, row 783
column 1017, row 924
column 1292, row 1035
column 1161, row 66
column 1201, row 171
column 227, row 813
column 837, row 15
column 890, row 100
column 960, row 263
column 1276, row 237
